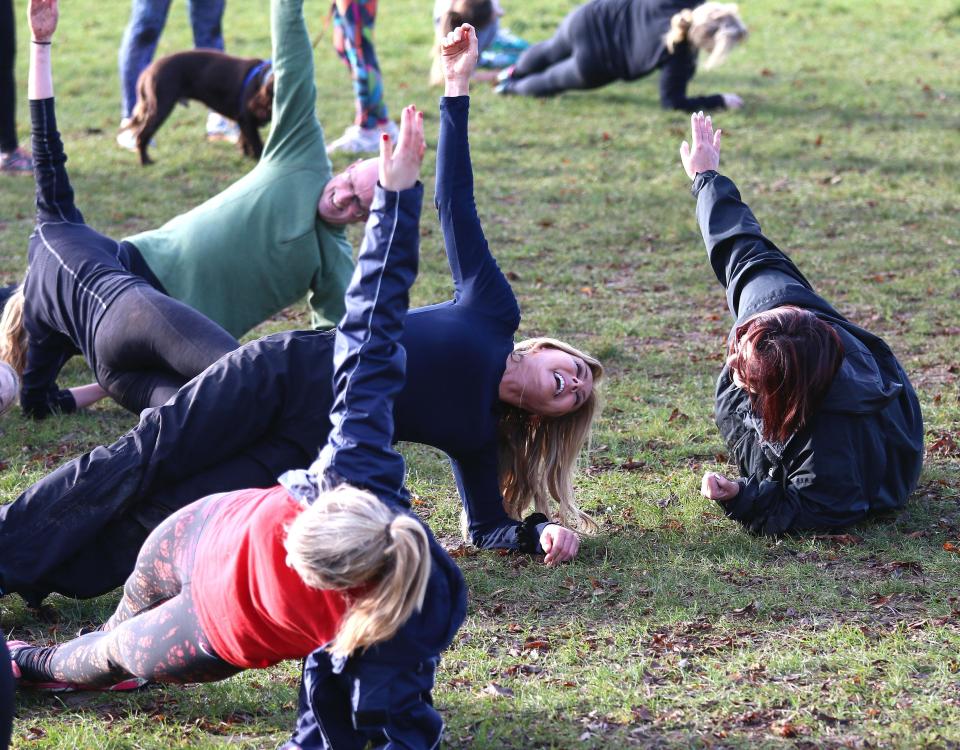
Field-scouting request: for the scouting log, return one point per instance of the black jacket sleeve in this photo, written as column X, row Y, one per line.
column 54, row 193
column 675, row 75
column 756, row 274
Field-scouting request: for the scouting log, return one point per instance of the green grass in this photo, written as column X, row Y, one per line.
column 673, row 628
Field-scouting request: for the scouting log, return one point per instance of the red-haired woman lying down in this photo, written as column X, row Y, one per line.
column 817, row 412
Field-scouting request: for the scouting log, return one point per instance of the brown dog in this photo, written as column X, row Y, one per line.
column 240, row 88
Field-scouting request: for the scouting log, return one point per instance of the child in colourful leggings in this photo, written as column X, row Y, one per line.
column 353, row 22
column 329, row 564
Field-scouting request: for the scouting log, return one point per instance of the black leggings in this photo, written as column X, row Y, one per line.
column 148, row 345
column 155, row 633
column 8, row 84
column 561, row 63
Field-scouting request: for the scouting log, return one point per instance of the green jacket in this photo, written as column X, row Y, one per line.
column 258, row 246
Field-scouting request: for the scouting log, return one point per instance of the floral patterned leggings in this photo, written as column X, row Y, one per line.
column 155, row 633
column 353, row 41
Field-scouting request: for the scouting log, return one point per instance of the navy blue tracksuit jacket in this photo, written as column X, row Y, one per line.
column 382, row 695
column 6, row 695
column 863, row 450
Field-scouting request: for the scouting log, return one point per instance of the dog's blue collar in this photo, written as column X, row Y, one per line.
column 251, row 74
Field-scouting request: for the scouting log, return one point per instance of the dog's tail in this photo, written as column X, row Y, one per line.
column 144, row 112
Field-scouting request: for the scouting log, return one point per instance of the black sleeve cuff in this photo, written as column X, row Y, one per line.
column 701, row 179
column 529, row 535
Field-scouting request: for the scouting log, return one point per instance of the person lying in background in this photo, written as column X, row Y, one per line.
column 622, row 40
column 817, row 413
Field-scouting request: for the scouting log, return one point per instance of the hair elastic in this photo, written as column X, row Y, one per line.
column 43, row 44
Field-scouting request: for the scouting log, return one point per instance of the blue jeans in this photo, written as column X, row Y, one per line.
column 140, row 38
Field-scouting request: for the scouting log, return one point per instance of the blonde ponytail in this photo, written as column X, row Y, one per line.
column 348, row 539
column 13, row 335
column 679, row 26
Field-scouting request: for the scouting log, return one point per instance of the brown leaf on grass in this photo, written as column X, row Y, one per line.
column 463, row 550
column 632, row 465
column 497, row 691
column 784, row 729
column 515, row 669
column 677, row 416
column 879, row 600
column 538, row 644
column 819, row 141
column 899, row 567
column 945, row 445
column 952, row 547
column 767, row 73
column 586, row 291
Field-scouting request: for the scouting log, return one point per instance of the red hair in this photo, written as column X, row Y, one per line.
column 786, row 359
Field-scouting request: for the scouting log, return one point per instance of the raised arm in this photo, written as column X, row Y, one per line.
column 369, row 361
column 293, row 126
column 54, row 194
column 756, row 274
column 477, row 279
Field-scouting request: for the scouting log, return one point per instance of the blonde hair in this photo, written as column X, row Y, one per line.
column 13, row 334
column 348, row 539
column 714, row 27
column 539, row 455
column 477, row 13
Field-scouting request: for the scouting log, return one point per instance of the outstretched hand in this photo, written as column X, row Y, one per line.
column 705, row 153
column 717, row 487
column 559, row 543
column 400, row 167
column 43, row 19
column 459, row 52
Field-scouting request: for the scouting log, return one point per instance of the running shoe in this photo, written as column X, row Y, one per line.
column 126, row 138
column 219, row 128
column 356, row 140
column 17, row 161
column 507, row 40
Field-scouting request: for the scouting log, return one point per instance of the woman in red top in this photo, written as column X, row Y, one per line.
column 328, row 564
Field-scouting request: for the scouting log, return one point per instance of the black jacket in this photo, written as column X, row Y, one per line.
column 863, row 449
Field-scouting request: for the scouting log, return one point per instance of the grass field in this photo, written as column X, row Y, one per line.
column 673, row 628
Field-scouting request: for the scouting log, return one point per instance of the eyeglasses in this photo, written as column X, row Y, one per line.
column 362, row 212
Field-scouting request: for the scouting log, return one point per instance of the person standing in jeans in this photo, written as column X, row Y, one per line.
column 12, row 157
column 140, row 39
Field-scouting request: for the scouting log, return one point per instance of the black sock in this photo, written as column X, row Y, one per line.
column 34, row 663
